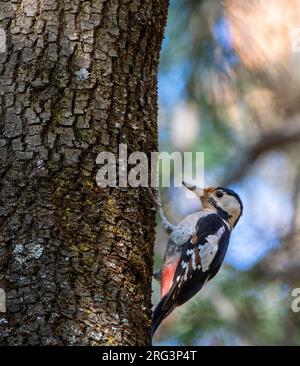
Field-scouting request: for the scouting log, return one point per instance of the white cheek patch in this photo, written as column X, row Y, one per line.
column 208, row 251
column 230, row 205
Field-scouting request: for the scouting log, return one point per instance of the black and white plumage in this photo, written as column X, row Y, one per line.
column 189, row 265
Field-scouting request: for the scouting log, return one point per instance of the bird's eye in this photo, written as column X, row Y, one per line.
column 219, row 194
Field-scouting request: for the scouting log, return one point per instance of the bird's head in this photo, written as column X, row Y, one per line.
column 222, row 200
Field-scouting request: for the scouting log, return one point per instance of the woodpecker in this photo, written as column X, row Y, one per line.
column 196, row 247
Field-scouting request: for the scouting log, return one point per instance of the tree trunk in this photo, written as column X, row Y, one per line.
column 77, row 78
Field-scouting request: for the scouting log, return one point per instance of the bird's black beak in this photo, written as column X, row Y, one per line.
column 199, row 192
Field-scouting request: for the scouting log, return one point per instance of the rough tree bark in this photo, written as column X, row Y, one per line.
column 77, row 78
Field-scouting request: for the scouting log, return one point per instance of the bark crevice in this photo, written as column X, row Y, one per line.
column 79, row 77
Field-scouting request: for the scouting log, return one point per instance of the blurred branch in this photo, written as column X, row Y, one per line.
column 263, row 271
column 284, row 136
column 284, row 262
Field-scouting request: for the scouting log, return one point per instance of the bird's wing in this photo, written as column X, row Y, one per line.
column 201, row 259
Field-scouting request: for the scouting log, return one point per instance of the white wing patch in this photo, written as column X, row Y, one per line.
column 208, row 251
column 207, row 254
column 197, row 258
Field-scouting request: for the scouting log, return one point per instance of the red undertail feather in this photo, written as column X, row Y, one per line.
column 168, row 272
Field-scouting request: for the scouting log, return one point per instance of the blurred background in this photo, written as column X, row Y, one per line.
column 229, row 86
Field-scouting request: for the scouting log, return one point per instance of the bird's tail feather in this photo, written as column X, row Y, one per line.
column 159, row 314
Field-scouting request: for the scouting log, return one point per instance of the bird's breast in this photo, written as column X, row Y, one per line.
column 186, row 227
